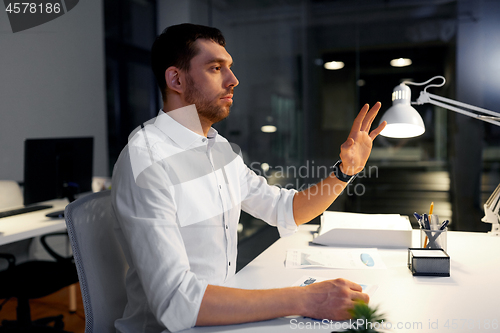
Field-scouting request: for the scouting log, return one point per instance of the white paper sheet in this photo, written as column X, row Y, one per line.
column 343, row 258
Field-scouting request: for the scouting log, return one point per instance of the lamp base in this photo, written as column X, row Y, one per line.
column 495, row 229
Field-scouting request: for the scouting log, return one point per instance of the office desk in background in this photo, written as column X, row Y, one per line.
column 467, row 300
column 29, row 225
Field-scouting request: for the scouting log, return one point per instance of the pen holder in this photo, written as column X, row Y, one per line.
column 433, row 239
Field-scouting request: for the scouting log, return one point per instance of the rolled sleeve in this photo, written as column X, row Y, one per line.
column 286, row 221
column 187, row 299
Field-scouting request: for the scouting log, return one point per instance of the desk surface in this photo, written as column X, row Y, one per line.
column 467, row 301
column 24, row 226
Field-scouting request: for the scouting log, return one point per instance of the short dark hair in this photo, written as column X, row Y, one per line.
column 175, row 47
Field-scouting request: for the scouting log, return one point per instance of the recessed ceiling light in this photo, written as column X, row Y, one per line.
column 268, row 129
column 333, row 65
column 400, row 62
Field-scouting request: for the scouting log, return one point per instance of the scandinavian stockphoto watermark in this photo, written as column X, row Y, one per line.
column 298, row 177
column 25, row 15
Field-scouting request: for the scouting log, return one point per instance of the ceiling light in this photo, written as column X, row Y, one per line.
column 401, row 62
column 334, row 65
column 268, row 129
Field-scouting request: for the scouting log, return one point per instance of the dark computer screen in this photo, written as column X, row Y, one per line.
column 57, row 168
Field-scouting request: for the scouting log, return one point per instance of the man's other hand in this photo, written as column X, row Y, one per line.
column 332, row 299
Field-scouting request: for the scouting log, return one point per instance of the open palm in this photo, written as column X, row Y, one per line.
column 355, row 151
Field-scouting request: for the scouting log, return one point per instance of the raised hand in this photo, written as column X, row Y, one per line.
column 354, row 152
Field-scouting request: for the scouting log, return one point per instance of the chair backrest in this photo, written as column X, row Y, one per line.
column 99, row 259
column 10, row 194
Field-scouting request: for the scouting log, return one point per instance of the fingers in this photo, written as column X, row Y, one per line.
column 359, row 296
column 358, row 122
column 377, row 131
column 367, row 122
column 352, row 285
column 356, row 291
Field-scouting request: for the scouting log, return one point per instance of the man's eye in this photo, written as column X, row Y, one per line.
column 217, row 68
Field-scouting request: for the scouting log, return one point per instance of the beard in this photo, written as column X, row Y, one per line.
column 206, row 107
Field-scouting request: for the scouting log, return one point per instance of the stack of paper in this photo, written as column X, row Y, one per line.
column 370, row 230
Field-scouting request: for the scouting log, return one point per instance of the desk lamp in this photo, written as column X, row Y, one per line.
column 403, row 121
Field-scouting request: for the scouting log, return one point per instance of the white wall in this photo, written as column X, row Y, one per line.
column 52, row 84
column 171, row 12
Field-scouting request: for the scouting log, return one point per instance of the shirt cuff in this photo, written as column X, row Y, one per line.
column 286, row 222
column 184, row 306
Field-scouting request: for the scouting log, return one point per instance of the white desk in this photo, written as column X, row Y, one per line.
column 24, row 226
column 471, row 293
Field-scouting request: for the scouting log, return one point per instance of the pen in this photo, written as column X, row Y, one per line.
column 426, row 222
column 428, row 227
column 444, row 225
column 419, row 220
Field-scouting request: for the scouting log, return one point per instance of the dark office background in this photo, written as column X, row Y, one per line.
column 279, row 48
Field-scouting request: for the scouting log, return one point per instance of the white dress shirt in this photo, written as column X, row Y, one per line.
column 178, row 197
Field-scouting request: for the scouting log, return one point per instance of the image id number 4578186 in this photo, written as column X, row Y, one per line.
column 471, row 324
column 33, row 8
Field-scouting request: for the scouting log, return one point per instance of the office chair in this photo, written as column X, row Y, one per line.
column 99, row 259
column 26, row 279
column 35, row 279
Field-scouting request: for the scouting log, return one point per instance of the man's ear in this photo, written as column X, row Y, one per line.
column 173, row 79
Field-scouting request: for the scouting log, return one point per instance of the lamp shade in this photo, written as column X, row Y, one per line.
column 403, row 121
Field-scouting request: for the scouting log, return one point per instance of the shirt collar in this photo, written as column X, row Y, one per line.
column 182, row 136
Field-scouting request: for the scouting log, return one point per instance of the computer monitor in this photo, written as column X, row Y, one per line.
column 57, row 168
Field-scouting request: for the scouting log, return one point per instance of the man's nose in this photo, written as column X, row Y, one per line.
column 232, row 81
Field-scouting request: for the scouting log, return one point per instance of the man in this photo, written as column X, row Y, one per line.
column 178, row 189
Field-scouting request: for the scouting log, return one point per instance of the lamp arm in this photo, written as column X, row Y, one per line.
column 426, row 97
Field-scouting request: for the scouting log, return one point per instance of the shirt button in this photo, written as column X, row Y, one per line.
column 220, row 186
column 203, row 140
column 227, row 227
column 229, row 263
